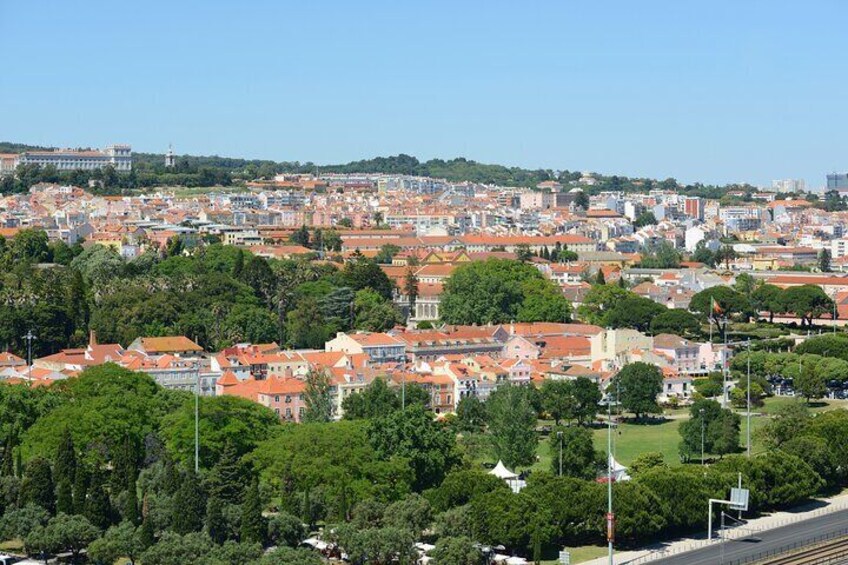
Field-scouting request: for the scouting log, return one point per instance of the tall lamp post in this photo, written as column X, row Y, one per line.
column 701, row 413
column 748, row 430
column 725, row 360
column 610, row 515
column 29, row 337
column 559, row 435
column 197, row 418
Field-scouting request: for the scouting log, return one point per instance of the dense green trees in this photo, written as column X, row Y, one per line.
column 456, row 551
column 412, row 434
column 571, row 399
column 579, row 458
column 728, row 301
column 319, row 404
column 333, row 466
column 224, row 420
column 634, row 312
column 675, row 321
column 636, row 387
column 511, row 416
column 501, row 290
column 361, row 477
column 719, row 428
column 661, row 256
column 378, row 399
column 218, row 295
column 807, row 301
column 599, row 301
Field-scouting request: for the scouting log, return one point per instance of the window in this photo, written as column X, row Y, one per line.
column 288, row 401
column 277, row 398
column 288, row 412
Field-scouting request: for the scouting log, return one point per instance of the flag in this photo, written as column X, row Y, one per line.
column 714, row 306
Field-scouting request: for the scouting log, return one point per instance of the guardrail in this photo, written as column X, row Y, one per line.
column 787, row 548
column 740, row 533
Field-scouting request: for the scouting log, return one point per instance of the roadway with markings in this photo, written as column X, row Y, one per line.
column 762, row 541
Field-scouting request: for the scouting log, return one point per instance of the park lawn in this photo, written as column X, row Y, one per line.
column 629, row 441
column 632, row 440
column 581, row 554
column 13, row 545
column 773, row 404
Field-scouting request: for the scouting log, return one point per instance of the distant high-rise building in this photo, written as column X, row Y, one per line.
column 789, row 185
column 837, row 181
column 693, row 207
column 170, row 158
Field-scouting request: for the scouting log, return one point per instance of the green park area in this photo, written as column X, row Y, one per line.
column 631, row 440
column 662, row 436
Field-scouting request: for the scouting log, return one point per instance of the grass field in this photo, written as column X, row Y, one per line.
column 631, row 440
column 581, row 554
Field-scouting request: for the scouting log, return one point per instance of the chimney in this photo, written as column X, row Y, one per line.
column 92, row 338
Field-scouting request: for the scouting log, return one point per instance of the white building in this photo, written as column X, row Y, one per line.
column 118, row 156
column 838, row 248
column 789, row 185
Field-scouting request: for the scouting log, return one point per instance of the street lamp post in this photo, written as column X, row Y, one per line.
column 725, row 359
column 559, row 435
column 197, row 419
column 748, row 430
column 29, row 337
column 609, row 481
column 703, row 460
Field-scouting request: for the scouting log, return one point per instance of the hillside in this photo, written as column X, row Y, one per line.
column 208, row 170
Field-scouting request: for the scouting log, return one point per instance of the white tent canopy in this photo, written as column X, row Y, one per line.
column 619, row 471
column 501, row 472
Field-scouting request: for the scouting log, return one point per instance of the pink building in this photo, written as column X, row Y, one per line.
column 283, row 395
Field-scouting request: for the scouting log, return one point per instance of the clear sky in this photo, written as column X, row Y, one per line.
column 716, row 91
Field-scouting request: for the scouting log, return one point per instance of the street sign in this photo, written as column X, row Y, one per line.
column 610, row 527
column 564, row 557
column 739, row 498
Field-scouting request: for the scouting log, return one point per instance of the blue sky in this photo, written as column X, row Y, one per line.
column 716, row 91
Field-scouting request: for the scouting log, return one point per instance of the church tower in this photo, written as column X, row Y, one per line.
column 170, row 158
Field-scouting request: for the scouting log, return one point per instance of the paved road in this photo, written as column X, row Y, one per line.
column 769, row 540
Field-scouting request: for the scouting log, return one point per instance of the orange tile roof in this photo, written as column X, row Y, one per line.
column 169, row 343
column 228, row 379
column 374, row 339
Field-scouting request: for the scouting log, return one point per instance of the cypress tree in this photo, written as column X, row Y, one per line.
column 37, row 485
column 601, row 279
column 65, row 465
column 306, row 510
column 216, row 524
column 238, row 266
column 147, row 536
column 252, row 523
column 80, row 489
column 124, row 465
column 189, row 506
column 171, row 482
column 7, row 466
column 64, row 497
column 98, row 507
column 131, row 502
column 225, row 479
column 19, row 463
column 344, row 509
column 537, row 546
